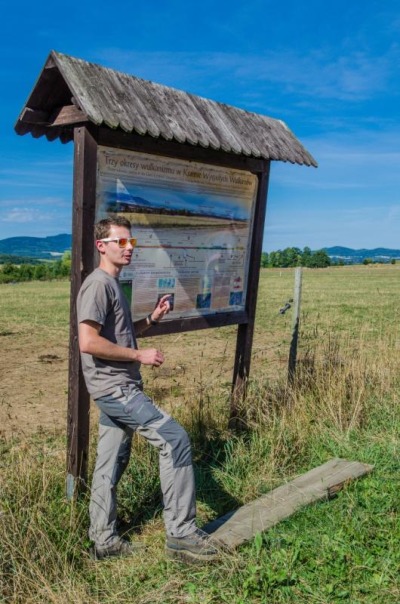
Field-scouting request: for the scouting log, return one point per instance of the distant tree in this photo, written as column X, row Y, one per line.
column 9, row 269
column 319, row 259
column 17, row 260
column 393, row 261
column 275, row 259
column 9, row 273
column 367, row 261
column 66, row 264
column 26, row 272
column 306, row 257
column 40, row 272
column 291, row 256
column 264, row 260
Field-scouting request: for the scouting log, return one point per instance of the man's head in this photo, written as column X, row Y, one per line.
column 114, row 243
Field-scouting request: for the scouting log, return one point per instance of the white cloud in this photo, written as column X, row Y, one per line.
column 35, row 217
column 42, row 213
column 351, row 76
column 45, row 204
column 24, row 215
column 359, row 161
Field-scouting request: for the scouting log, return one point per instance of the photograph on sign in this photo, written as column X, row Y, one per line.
column 192, row 222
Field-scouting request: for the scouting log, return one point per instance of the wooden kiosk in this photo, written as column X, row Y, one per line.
column 216, row 158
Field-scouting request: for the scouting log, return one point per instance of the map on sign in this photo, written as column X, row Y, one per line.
column 192, row 222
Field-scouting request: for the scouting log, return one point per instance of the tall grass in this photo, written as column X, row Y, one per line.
column 344, row 402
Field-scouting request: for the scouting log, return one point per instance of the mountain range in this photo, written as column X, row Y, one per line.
column 36, row 247
column 56, row 245
column 351, row 256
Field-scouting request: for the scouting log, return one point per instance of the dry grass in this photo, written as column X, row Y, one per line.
column 345, row 402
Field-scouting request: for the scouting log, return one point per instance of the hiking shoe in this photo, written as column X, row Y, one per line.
column 119, row 549
column 196, row 547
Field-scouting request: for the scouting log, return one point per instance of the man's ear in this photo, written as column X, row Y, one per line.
column 100, row 246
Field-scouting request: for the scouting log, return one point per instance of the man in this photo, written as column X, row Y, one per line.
column 111, row 367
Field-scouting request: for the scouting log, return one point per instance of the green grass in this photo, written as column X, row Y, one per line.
column 344, row 403
column 35, row 306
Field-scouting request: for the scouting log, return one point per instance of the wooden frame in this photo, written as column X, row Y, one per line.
column 86, row 140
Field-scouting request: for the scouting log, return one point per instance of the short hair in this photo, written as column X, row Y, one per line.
column 102, row 228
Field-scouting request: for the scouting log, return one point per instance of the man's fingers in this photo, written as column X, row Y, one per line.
column 159, row 358
column 164, row 301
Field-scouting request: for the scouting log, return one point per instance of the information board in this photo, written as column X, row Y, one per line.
column 192, row 222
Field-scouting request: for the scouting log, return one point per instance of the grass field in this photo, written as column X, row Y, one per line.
column 344, row 403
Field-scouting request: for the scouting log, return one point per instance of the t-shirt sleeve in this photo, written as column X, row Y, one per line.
column 93, row 303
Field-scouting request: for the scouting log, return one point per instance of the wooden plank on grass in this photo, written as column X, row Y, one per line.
column 321, row 483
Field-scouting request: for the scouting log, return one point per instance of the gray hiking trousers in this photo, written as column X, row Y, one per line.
column 123, row 412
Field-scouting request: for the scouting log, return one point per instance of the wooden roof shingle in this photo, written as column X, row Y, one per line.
column 70, row 90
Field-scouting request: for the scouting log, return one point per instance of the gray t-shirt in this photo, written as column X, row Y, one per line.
column 101, row 299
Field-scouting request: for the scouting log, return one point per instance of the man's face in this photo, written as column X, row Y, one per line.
column 112, row 252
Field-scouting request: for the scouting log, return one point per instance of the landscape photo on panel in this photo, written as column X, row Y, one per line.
column 192, row 222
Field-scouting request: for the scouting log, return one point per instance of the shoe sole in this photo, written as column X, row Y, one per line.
column 189, row 557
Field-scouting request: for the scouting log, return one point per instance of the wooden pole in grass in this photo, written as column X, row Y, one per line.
column 84, row 207
column 298, row 277
column 244, row 340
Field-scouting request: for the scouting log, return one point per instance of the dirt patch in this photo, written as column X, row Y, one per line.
column 33, row 391
column 34, row 361
column 34, row 376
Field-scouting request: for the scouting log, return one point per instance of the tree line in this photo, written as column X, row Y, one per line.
column 45, row 271
column 28, row 269
column 294, row 256
column 11, row 272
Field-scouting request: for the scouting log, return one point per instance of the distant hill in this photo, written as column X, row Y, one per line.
column 36, row 247
column 53, row 246
column 348, row 255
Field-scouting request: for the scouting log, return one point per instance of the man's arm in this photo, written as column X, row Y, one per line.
column 91, row 342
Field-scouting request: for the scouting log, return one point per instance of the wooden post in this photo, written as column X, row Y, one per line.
column 295, row 324
column 245, row 331
column 84, row 206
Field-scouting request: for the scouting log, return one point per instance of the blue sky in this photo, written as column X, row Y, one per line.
column 330, row 70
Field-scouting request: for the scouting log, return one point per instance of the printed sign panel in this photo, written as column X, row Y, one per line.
column 192, row 222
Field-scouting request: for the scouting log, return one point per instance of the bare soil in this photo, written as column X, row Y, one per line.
column 34, row 376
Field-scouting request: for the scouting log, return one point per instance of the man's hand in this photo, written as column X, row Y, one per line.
column 163, row 307
column 150, row 356
column 91, row 342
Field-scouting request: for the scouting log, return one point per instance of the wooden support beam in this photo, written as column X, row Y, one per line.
column 85, row 162
column 69, row 114
column 244, row 340
column 221, row 319
column 319, row 484
column 33, row 116
column 62, row 116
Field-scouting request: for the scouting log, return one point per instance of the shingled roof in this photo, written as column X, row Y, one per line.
column 69, row 91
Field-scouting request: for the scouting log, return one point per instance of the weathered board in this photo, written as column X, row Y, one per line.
column 243, row 524
column 129, row 104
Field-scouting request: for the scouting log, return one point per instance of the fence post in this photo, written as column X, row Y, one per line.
column 295, row 324
column 85, row 161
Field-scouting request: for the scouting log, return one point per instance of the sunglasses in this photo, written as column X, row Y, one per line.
column 122, row 241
